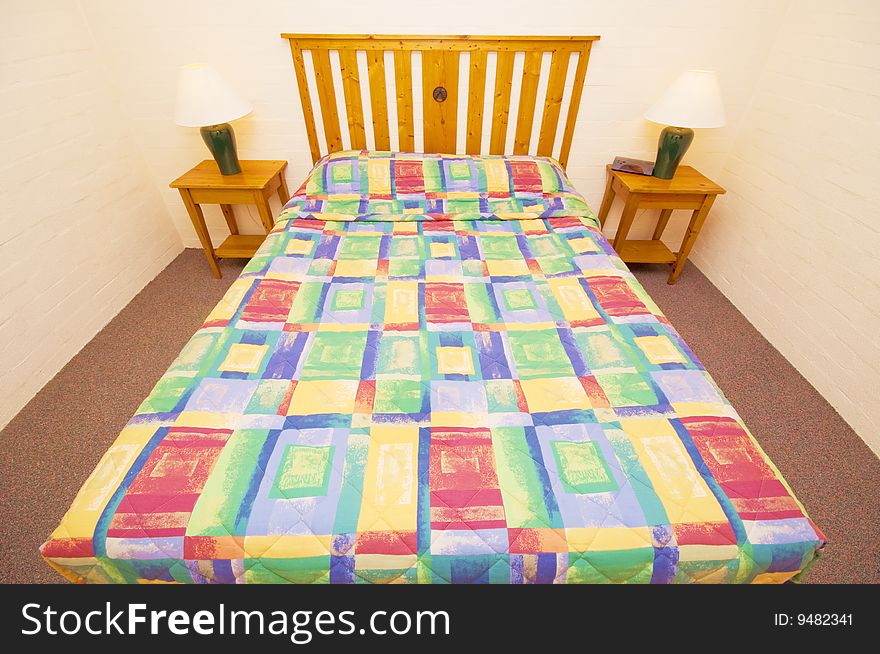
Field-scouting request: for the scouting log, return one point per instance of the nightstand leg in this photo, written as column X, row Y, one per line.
column 262, row 203
column 283, row 193
column 230, row 218
column 607, row 199
column 661, row 224
column 690, row 237
column 198, row 221
column 626, row 220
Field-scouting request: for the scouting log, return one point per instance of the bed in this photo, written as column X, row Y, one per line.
column 435, row 370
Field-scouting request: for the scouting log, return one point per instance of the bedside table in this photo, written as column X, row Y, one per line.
column 689, row 189
column 256, row 182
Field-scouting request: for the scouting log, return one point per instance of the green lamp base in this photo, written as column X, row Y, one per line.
column 674, row 142
column 220, row 140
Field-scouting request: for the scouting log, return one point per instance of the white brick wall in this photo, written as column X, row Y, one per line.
column 83, row 228
column 795, row 243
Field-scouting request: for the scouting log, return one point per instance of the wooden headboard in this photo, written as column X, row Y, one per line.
column 441, row 62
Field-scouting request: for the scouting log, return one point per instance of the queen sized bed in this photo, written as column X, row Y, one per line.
column 435, row 370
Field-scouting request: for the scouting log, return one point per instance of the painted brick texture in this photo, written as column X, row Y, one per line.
column 795, row 242
column 83, row 228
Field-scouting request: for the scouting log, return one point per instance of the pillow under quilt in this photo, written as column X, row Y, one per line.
column 393, row 186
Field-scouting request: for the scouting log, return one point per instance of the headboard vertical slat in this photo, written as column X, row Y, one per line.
column 476, row 101
column 406, row 133
column 327, row 99
column 553, row 102
column 440, row 124
column 527, row 99
column 574, row 104
column 501, row 103
column 441, row 101
column 351, row 87
column 378, row 98
column 305, row 98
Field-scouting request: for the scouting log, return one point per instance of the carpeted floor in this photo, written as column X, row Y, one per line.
column 54, row 443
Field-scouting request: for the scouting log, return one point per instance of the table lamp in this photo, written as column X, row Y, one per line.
column 694, row 100
column 207, row 101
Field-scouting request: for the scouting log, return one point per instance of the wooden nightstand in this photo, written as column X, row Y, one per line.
column 256, row 182
column 687, row 190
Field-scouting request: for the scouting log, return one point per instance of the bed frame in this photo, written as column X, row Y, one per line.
column 440, row 65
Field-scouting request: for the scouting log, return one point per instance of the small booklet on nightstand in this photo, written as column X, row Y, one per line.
column 637, row 166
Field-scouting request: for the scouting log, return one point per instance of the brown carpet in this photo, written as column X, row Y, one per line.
column 54, row 443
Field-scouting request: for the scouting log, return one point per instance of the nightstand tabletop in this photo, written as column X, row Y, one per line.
column 255, row 174
column 686, row 180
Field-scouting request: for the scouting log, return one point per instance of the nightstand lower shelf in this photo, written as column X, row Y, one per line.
column 646, row 252
column 240, row 246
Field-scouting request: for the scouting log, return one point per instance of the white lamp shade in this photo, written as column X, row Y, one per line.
column 694, row 100
column 205, row 98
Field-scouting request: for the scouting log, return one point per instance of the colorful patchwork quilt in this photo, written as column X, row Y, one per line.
column 448, row 382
